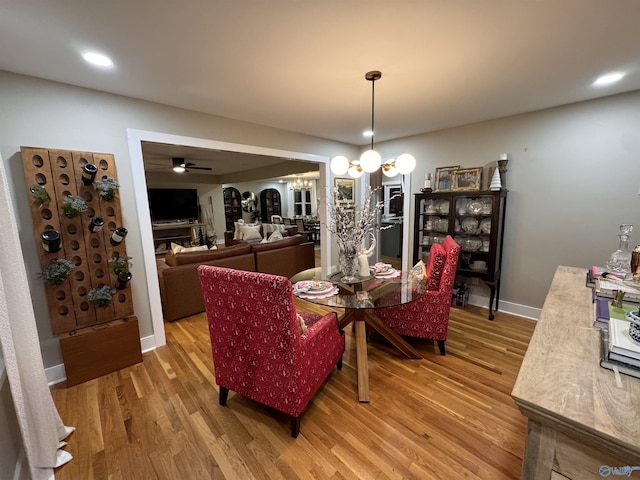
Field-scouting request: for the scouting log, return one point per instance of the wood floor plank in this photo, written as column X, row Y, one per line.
column 440, row 417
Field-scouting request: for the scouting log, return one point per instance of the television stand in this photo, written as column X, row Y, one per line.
column 181, row 232
column 170, row 222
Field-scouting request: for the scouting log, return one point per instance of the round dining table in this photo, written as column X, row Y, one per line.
column 360, row 300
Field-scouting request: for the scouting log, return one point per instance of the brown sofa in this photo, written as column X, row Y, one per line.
column 178, row 275
column 289, row 231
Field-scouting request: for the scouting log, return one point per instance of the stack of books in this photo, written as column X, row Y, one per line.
column 604, row 311
column 596, row 272
column 620, row 352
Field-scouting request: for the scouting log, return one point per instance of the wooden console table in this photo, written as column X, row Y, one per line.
column 581, row 417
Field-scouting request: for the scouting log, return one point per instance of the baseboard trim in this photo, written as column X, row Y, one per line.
column 511, row 308
column 56, row 374
column 148, row 343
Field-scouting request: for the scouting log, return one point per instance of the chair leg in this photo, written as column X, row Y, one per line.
column 339, row 364
column 224, row 392
column 441, row 346
column 295, row 426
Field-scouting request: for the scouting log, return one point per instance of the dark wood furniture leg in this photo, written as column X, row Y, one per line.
column 224, row 393
column 492, row 295
column 295, row 426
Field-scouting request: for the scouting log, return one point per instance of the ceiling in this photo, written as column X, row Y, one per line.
column 226, row 167
column 300, row 65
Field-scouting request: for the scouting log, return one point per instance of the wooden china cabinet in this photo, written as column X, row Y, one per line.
column 476, row 221
column 232, row 206
column 269, row 204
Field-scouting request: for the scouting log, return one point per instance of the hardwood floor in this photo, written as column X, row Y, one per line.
column 437, row 418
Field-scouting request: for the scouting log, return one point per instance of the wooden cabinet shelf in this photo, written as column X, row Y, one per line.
column 164, row 234
column 476, row 222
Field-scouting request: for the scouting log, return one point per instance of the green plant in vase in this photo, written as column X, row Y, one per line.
column 107, row 188
column 101, row 297
column 73, row 206
column 57, row 272
column 120, row 264
column 39, row 193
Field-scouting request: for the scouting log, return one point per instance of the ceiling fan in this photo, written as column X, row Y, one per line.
column 180, row 166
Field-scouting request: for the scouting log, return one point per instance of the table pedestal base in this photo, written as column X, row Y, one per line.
column 360, row 317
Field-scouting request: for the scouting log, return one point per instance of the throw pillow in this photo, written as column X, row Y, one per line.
column 419, row 270
column 250, row 232
column 175, row 248
column 301, row 324
column 267, row 228
column 236, row 229
column 275, row 236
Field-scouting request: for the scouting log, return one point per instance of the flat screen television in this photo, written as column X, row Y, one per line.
column 168, row 204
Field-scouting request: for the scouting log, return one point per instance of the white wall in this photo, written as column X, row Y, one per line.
column 40, row 113
column 573, row 178
column 573, row 173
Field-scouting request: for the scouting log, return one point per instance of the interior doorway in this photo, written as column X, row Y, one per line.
column 148, row 299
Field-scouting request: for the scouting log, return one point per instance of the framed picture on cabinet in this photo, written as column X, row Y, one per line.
column 345, row 189
column 444, row 178
column 467, row 179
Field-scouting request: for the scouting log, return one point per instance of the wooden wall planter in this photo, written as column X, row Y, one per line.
column 60, row 172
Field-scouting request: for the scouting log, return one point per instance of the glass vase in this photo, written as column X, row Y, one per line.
column 349, row 265
column 620, row 260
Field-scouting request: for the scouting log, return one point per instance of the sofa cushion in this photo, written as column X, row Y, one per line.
column 174, row 259
column 236, row 229
column 250, row 232
column 275, row 236
column 268, row 228
column 175, row 248
column 285, row 242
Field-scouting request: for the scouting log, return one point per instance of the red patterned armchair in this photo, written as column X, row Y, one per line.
column 258, row 348
column 428, row 317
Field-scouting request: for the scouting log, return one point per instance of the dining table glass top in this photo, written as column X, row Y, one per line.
column 368, row 293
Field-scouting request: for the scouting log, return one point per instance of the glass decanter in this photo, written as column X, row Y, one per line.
column 620, row 260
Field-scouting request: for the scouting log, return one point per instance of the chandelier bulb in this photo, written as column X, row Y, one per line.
column 370, row 161
column 339, row 165
column 389, row 168
column 405, row 163
column 355, row 170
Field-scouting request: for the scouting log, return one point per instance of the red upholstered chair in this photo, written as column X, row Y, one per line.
column 428, row 317
column 258, row 349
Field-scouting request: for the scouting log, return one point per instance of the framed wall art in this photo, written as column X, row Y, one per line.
column 345, row 189
column 444, row 178
column 467, row 179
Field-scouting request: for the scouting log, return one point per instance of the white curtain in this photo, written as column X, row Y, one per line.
column 41, row 426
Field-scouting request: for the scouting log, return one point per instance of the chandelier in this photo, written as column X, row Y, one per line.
column 370, row 161
column 299, row 184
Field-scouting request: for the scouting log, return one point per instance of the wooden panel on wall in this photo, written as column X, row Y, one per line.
column 60, row 172
column 101, row 349
column 38, row 171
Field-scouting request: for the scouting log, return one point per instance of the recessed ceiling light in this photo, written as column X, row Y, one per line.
column 608, row 79
column 97, row 59
column 367, row 133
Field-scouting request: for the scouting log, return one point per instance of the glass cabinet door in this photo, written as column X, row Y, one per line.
column 433, row 224
column 473, row 223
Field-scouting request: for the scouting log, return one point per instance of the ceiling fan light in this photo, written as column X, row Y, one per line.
column 405, row 163
column 370, row 161
column 339, row 165
column 178, row 165
column 355, row 170
column 389, row 169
